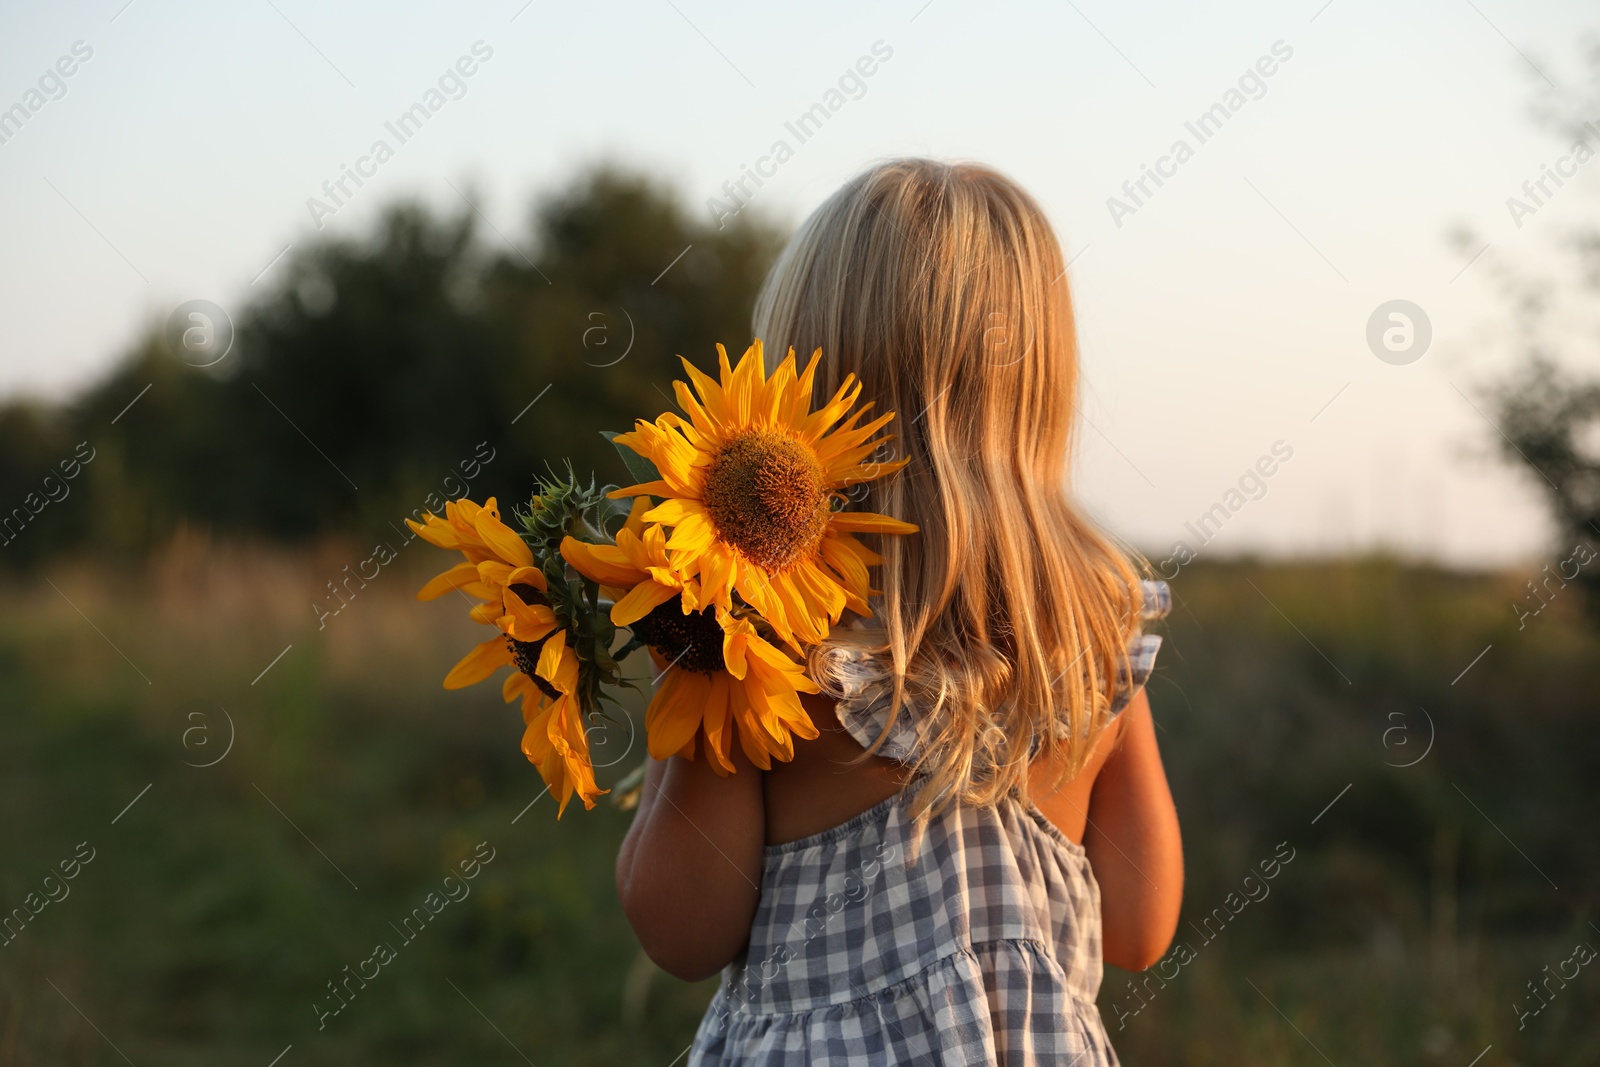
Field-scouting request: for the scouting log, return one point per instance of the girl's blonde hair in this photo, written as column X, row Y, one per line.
column 1007, row 618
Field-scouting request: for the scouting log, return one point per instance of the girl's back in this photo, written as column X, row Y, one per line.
column 983, row 816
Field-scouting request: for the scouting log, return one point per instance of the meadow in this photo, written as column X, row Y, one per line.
column 267, row 799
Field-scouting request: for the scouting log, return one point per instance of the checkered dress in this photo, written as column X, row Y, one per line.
column 976, row 943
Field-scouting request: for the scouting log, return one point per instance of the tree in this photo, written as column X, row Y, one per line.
column 1550, row 416
column 383, row 370
column 1551, row 419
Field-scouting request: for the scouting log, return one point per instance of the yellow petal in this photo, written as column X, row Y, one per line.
column 641, row 600
column 635, row 520
column 516, row 684
column 528, row 576
column 675, row 511
column 692, row 536
column 699, row 417
column 495, row 573
column 656, row 488
column 800, row 402
column 718, row 571
column 571, row 741
column 867, row 522
column 674, row 714
column 736, row 635
column 819, row 587
column 503, row 540
column 775, row 404
column 741, row 385
column 435, row 531
column 852, row 571
column 770, row 662
column 463, row 576
column 478, row 664
column 551, row 659
column 718, row 725
column 804, row 613
column 525, row 622
column 752, row 737
column 817, row 423
column 600, row 563
column 753, row 584
column 675, row 458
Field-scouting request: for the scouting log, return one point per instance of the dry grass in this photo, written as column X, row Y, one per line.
column 208, row 924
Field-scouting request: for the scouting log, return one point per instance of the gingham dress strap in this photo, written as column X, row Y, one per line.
column 863, row 708
column 1157, row 597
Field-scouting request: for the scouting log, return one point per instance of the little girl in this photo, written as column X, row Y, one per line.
column 984, row 817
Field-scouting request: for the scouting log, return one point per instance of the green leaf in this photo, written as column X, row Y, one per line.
column 638, row 466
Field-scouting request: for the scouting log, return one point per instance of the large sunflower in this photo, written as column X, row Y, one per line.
column 499, row 571
column 750, row 482
column 720, row 677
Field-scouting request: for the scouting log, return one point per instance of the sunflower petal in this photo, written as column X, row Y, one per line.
column 553, row 656
column 460, row 577
column 807, row 615
column 867, row 522
column 712, row 398
column 503, row 540
column 641, row 600
column 693, row 535
column 635, row 520
column 734, row 644
column 495, row 573
column 673, row 715
column 719, row 725
column 675, row 511
column 478, row 664
column 852, row 572
column 516, row 684
column 819, row 587
column 770, row 662
column 701, row 419
column 655, row 488
column 601, row 563
column 569, row 739
column 718, row 572
column 526, row 622
column 528, row 576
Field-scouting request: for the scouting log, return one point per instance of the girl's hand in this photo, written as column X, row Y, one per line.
column 689, row 871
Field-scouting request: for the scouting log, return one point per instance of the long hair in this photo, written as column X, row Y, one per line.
column 1003, row 625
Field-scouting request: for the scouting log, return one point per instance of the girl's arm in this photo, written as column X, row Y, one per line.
column 1133, row 844
column 689, row 871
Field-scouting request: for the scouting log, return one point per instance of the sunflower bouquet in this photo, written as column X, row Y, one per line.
column 733, row 558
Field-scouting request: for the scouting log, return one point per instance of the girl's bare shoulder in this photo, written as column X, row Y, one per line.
column 1065, row 801
column 828, row 782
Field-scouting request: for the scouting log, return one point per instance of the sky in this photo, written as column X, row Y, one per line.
column 1223, row 314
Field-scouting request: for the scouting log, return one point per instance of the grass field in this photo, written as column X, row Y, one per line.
column 218, row 907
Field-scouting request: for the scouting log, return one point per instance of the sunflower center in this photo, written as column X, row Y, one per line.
column 767, row 497
column 692, row 641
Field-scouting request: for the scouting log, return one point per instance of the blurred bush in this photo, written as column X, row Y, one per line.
column 380, row 365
